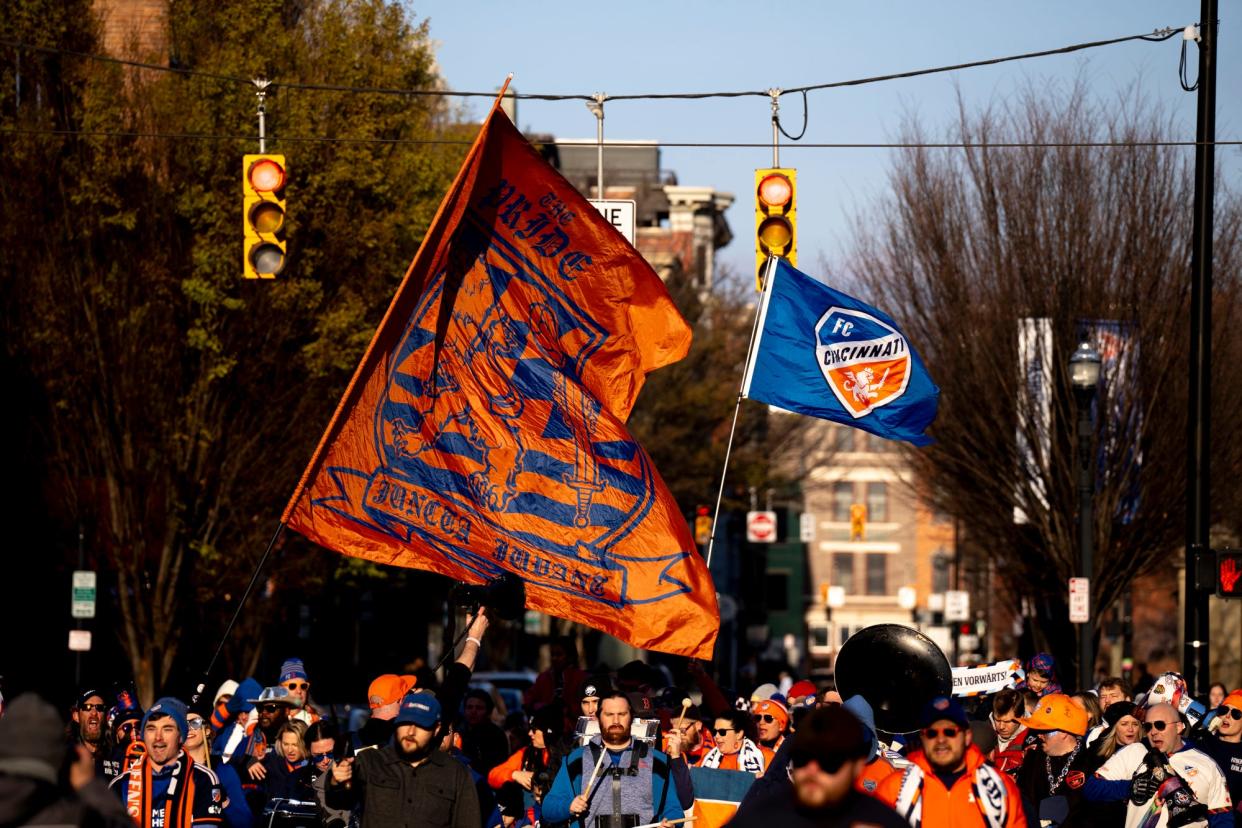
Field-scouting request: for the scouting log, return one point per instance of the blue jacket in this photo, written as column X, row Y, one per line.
column 568, row 784
column 237, row 812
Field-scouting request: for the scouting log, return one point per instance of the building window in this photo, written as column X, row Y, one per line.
column 844, row 635
column 777, row 587
column 877, row 574
column 843, row 571
column 845, row 439
column 842, row 498
column 877, row 502
column 819, row 637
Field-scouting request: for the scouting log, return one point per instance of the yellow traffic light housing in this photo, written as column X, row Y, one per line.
column 776, row 213
column 263, row 215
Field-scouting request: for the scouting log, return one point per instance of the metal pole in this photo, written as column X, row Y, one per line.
column 776, row 135
column 1195, row 662
column 262, row 85
column 597, row 109
column 1086, row 537
column 77, row 622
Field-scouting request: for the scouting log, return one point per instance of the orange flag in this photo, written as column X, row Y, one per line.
column 484, row 429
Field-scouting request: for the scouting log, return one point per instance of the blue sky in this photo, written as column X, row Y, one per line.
column 693, row 45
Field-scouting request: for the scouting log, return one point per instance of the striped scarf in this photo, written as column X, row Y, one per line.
column 750, row 758
column 177, row 809
column 987, row 786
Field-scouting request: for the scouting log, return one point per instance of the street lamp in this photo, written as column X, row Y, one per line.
column 1084, row 371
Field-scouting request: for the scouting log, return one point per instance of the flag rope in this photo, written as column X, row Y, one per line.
column 737, row 407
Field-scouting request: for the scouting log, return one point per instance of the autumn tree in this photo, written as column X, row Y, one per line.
column 1083, row 221
column 177, row 403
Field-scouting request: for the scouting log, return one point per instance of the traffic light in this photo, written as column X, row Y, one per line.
column 1229, row 573
column 776, row 210
column 702, row 526
column 858, row 521
column 263, row 215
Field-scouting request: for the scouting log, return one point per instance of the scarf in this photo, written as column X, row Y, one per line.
column 749, row 759
column 178, row 806
column 987, row 786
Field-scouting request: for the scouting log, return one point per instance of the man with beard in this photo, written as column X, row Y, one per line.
column 88, row 728
column 613, row 779
column 938, row 788
column 1052, row 777
column 826, row 756
column 408, row 781
column 166, row 788
column 1164, row 778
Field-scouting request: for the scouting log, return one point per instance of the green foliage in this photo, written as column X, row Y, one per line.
column 182, row 401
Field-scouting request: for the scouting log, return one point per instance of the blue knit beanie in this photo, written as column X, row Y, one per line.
column 173, row 708
column 293, row 668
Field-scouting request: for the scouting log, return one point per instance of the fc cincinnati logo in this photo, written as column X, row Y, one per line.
column 865, row 361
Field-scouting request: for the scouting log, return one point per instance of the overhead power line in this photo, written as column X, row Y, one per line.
column 303, row 139
column 1154, row 36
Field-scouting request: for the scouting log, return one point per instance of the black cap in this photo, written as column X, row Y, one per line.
column 831, row 736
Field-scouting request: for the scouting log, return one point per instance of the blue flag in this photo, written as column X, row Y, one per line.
column 828, row 355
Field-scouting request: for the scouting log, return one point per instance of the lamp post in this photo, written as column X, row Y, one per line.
column 1084, row 371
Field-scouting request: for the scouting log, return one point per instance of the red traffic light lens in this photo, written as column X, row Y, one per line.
column 266, row 176
column 775, row 190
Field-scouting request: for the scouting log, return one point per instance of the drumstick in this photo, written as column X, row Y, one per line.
column 687, row 820
column 685, row 707
column 603, row 754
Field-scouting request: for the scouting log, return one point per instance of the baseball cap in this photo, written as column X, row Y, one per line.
column 1234, row 700
column 803, row 689
column 389, row 688
column 422, row 709
column 1057, row 711
column 764, row 691
column 85, row 695
column 946, row 708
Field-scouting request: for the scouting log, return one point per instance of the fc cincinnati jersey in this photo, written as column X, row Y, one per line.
column 1193, row 765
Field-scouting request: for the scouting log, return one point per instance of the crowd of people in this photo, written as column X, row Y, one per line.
column 617, row 749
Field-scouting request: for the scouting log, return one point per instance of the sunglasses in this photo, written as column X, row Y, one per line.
column 1157, row 724
column 1233, row 712
column 269, row 708
column 294, row 685
column 724, row 731
column 766, row 718
column 316, row 758
column 194, row 724
column 98, row 708
column 827, row 765
column 934, row 732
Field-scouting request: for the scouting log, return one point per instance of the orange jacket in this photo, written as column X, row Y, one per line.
column 503, row 772
column 955, row 808
column 875, row 772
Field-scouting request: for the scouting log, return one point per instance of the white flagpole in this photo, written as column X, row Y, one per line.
column 769, row 272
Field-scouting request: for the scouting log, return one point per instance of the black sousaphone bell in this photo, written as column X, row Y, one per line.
column 898, row 670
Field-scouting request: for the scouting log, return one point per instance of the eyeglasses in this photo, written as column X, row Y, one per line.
column 766, row 718
column 1233, row 712
column 194, row 724
column 295, row 685
column 827, row 765
column 934, row 732
column 269, row 708
column 316, row 758
column 724, row 731
column 98, row 708
column 1157, row 724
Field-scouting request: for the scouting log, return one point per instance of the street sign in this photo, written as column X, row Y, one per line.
column 1079, row 600
column 80, row 641
column 761, row 527
column 619, row 213
column 82, row 603
column 956, row 605
column 806, row 527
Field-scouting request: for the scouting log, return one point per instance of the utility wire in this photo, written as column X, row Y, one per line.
column 1154, row 36
column 303, row 139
